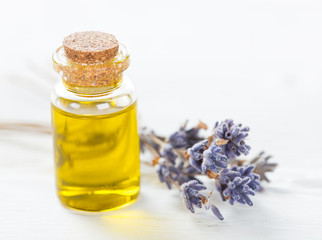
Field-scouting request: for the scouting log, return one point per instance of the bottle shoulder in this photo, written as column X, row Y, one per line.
column 115, row 101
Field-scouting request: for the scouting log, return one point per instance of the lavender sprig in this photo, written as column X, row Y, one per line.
column 213, row 159
column 195, row 154
column 191, row 195
column 190, row 192
column 205, row 158
column 166, row 173
column 248, row 171
column 230, row 137
column 237, row 183
column 237, row 190
column 184, row 138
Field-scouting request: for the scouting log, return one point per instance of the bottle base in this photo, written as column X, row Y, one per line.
column 97, row 200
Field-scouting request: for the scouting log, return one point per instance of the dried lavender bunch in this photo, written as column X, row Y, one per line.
column 186, row 155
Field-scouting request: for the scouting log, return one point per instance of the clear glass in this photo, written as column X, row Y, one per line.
column 96, row 145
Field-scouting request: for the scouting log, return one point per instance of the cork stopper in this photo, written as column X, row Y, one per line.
column 90, row 47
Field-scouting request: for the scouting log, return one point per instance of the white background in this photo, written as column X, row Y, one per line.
column 258, row 62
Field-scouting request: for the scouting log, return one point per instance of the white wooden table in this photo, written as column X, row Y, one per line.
column 257, row 62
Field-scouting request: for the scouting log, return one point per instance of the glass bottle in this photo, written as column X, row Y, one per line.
column 96, row 142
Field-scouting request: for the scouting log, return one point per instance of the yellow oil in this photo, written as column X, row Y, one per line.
column 97, row 159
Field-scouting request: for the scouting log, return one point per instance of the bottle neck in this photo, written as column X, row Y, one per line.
column 118, row 99
column 93, row 91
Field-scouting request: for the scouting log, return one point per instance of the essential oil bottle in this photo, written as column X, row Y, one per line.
column 94, row 123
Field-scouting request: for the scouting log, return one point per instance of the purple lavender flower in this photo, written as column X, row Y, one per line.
column 237, row 190
column 203, row 158
column 168, row 153
column 248, row 171
column 192, row 197
column 186, row 138
column 235, row 135
column 237, row 183
column 179, row 139
column 166, row 173
column 213, row 159
column 193, row 134
column 195, row 154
